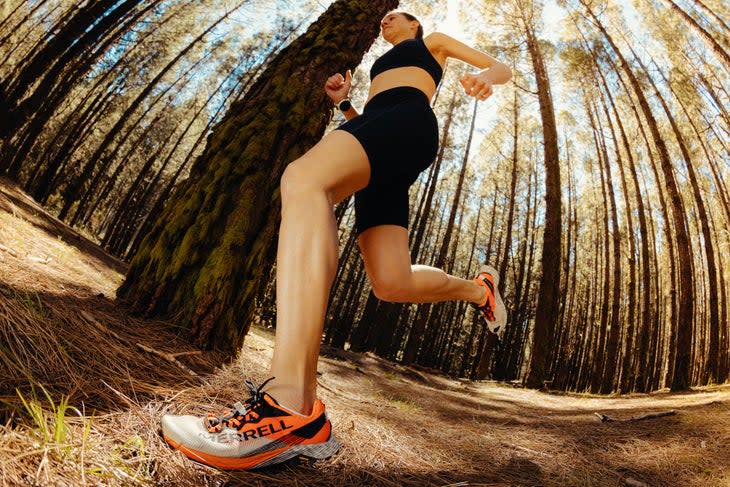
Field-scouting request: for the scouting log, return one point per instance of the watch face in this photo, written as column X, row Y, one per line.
column 345, row 105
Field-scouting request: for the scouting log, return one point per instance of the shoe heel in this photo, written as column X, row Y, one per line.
column 319, row 451
column 492, row 272
column 322, row 450
column 500, row 312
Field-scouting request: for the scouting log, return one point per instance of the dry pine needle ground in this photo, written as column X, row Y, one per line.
column 83, row 386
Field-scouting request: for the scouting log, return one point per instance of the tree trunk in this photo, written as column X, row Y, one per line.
column 501, row 359
column 651, row 319
column 100, row 159
column 128, row 247
column 711, row 364
column 599, row 353
column 42, row 184
column 712, row 14
column 424, row 216
column 612, row 349
column 548, row 300
column 626, row 371
column 514, row 337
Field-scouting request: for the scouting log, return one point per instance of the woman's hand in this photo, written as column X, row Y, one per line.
column 337, row 87
column 478, row 85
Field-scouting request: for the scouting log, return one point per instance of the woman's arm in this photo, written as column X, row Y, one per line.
column 478, row 84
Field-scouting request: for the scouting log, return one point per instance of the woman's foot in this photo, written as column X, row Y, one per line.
column 491, row 307
column 256, row 433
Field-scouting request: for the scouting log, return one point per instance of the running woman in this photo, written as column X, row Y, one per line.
column 376, row 156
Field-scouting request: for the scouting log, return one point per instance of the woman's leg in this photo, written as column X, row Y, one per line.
column 388, row 265
column 307, row 259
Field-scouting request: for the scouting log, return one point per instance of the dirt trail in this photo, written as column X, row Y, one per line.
column 398, row 426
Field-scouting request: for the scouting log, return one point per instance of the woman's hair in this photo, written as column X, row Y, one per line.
column 419, row 31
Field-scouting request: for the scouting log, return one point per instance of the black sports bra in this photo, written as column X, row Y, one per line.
column 411, row 52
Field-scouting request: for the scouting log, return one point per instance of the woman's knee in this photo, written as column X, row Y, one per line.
column 298, row 180
column 392, row 288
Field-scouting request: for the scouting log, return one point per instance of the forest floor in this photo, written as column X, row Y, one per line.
column 82, row 390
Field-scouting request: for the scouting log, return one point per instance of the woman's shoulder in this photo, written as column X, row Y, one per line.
column 444, row 46
column 436, row 39
column 440, row 42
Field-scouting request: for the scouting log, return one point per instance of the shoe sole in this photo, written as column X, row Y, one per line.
column 317, row 451
column 500, row 312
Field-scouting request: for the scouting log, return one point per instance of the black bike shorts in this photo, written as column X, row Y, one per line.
column 399, row 133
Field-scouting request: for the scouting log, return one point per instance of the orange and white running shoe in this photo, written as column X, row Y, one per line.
column 492, row 308
column 253, row 434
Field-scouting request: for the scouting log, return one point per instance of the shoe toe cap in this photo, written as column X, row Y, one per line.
column 181, row 429
column 188, row 434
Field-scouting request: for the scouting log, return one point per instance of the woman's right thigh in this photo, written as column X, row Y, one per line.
column 337, row 164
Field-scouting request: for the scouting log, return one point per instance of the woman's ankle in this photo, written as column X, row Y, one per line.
column 480, row 293
column 292, row 398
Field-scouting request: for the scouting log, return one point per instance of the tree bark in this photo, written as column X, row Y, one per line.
column 712, row 14
column 711, row 364
column 75, row 192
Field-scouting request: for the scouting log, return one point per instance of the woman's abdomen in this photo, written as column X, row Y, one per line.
column 399, row 77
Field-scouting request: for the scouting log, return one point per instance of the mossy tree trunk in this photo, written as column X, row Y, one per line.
column 205, row 257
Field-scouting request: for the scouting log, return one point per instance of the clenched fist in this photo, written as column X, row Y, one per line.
column 337, row 87
column 478, row 85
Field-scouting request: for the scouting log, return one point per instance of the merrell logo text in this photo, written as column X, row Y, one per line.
column 265, row 430
column 228, row 435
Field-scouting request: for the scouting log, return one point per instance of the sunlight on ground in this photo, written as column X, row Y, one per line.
column 56, row 257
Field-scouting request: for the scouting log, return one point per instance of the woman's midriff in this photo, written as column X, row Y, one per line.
column 405, row 76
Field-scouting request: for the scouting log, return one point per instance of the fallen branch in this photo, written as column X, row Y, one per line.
column 170, row 357
column 183, row 354
column 8, row 250
column 103, row 329
column 526, row 450
column 341, row 394
column 606, row 419
column 671, row 412
column 629, row 482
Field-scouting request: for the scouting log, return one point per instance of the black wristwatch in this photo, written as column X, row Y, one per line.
column 344, row 105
